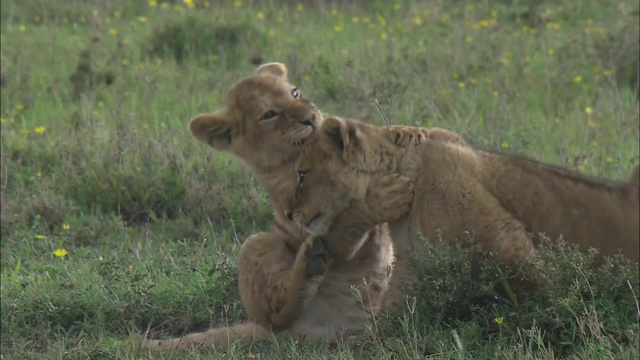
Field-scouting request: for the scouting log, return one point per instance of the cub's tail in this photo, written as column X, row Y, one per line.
column 219, row 338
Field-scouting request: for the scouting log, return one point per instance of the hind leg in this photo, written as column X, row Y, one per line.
column 275, row 283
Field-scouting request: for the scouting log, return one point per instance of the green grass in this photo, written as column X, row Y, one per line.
column 96, row 159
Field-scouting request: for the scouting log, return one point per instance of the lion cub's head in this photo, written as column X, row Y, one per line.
column 333, row 171
column 264, row 121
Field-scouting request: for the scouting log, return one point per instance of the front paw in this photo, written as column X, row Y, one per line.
column 318, row 257
column 389, row 197
column 404, row 136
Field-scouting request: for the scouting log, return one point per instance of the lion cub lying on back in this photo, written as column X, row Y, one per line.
column 484, row 200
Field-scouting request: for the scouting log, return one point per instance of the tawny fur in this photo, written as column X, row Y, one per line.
column 286, row 283
column 486, row 201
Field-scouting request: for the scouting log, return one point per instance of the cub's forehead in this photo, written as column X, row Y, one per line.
column 312, row 153
column 258, row 86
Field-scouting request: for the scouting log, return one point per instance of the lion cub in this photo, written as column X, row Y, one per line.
column 481, row 200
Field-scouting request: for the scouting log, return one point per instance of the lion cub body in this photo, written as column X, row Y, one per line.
column 286, row 283
column 483, row 200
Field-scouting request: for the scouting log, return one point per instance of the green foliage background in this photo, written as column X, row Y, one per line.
column 96, row 160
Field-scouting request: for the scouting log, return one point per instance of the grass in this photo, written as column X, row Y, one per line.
column 96, row 160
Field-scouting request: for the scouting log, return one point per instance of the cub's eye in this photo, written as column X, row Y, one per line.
column 301, row 176
column 269, row 115
column 295, row 93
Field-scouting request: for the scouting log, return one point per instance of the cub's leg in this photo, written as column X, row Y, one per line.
column 276, row 283
column 388, row 198
column 455, row 205
column 309, row 269
column 220, row 337
column 461, row 209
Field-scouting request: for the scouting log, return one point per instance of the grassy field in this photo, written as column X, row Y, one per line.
column 114, row 218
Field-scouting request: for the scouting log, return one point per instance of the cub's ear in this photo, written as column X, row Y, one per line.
column 340, row 132
column 214, row 129
column 274, row 68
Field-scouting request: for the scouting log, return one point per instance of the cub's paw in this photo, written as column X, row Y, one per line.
column 404, row 136
column 389, row 197
column 318, row 257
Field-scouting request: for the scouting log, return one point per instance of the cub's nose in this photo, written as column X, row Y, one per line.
column 289, row 214
column 309, row 122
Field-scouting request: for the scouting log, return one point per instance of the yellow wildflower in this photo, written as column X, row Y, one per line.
column 551, row 51
column 461, row 84
column 189, row 3
column 237, row 3
column 40, row 237
column 153, row 3
column 300, row 7
column 113, row 31
column 251, row 356
column 19, row 107
column 337, row 28
column 355, row 19
column 576, row 79
column 23, row 28
column 260, row 15
column 66, row 227
column 499, row 320
column 417, row 20
column 383, row 36
column 142, row 19
column 588, row 110
column 60, row 252
column 609, row 159
column 40, row 129
column 504, row 145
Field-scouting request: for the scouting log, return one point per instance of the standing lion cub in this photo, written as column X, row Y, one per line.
column 483, row 200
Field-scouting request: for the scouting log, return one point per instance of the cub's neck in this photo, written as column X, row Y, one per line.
column 279, row 181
